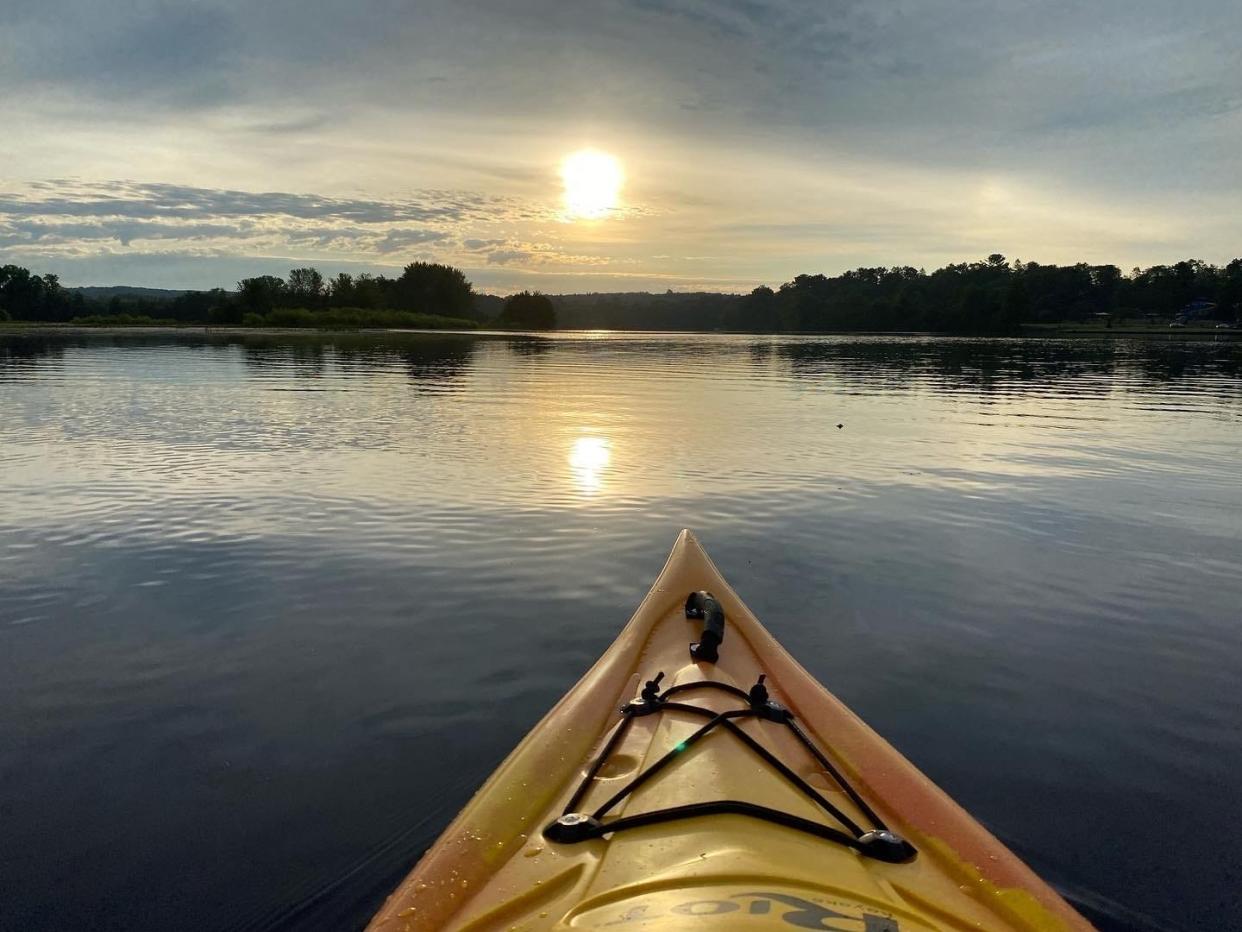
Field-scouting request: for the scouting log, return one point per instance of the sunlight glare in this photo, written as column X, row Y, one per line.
column 588, row 459
column 592, row 182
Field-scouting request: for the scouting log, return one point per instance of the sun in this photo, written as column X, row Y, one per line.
column 592, row 182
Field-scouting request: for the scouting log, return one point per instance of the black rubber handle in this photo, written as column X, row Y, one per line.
column 704, row 605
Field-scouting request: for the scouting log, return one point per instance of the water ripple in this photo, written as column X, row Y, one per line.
column 244, row 577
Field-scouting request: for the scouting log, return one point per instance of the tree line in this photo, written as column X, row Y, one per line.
column 425, row 294
column 993, row 295
column 990, row 296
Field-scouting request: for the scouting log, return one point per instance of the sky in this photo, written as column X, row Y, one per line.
column 189, row 144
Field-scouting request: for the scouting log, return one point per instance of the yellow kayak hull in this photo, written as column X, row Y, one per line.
column 494, row 868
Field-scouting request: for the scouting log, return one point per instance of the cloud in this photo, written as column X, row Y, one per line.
column 481, row 245
column 123, row 231
column 502, row 251
column 63, row 223
column 68, row 216
column 505, row 256
column 779, row 136
column 817, row 66
column 171, row 201
column 531, row 253
column 400, row 239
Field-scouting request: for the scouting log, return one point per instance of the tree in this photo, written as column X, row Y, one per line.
column 757, row 311
column 432, row 288
column 304, row 287
column 31, row 297
column 989, row 295
column 1017, row 306
column 341, row 290
column 196, row 305
column 370, row 291
column 230, row 314
column 529, row 311
column 260, row 294
column 975, row 310
column 1231, row 289
column 1106, row 281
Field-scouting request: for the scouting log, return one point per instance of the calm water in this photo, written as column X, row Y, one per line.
column 271, row 608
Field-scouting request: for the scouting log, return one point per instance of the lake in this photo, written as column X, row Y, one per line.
column 272, row 606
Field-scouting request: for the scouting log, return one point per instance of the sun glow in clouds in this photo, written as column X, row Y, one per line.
column 592, row 182
column 588, row 459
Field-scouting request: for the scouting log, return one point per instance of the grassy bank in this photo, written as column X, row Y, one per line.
column 123, row 320
column 355, row 318
column 1127, row 328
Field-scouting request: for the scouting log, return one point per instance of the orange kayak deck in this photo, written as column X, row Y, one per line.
column 730, row 867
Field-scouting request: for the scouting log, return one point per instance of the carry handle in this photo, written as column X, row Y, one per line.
column 703, row 604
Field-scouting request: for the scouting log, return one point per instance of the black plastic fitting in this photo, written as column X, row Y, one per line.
column 883, row 845
column 573, row 827
column 704, row 605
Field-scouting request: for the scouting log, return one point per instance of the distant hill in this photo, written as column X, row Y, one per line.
column 108, row 292
column 487, row 307
column 632, row 310
column 642, row 310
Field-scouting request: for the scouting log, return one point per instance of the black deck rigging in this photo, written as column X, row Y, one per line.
column 877, row 842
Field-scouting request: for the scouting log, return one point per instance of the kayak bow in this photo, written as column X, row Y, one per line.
column 697, row 777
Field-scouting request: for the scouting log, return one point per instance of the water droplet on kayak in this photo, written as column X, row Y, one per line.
column 408, row 911
column 464, row 884
column 532, row 852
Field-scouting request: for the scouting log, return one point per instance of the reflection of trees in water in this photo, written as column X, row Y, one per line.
column 296, row 358
column 528, row 346
column 1171, row 361
column 21, row 353
column 428, row 360
column 760, row 352
column 26, row 350
column 1012, row 366
column 434, row 361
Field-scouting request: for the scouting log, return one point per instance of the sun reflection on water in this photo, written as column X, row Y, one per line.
column 588, row 458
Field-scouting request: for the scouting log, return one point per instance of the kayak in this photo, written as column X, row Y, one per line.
column 697, row 777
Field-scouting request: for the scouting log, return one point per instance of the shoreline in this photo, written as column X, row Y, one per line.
column 1027, row 331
